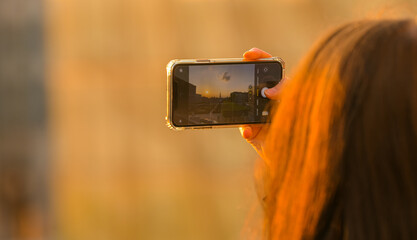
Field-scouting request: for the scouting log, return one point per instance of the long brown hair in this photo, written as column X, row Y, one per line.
column 341, row 151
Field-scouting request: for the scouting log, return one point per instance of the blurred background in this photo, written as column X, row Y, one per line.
column 84, row 150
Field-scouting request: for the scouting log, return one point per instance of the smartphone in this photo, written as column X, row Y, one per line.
column 210, row 93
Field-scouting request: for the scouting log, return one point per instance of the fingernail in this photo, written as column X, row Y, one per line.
column 271, row 91
column 254, row 49
column 247, row 133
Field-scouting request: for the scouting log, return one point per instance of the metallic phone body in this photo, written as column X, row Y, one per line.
column 170, row 78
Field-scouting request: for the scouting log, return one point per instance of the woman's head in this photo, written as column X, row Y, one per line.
column 341, row 151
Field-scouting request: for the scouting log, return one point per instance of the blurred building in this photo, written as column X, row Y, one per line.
column 24, row 163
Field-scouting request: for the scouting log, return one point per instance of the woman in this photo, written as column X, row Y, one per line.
column 340, row 153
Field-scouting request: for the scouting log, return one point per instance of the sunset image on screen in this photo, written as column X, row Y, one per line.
column 221, row 93
column 221, row 80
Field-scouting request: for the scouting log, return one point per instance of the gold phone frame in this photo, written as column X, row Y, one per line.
column 175, row 62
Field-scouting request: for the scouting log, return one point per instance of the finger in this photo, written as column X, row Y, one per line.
column 246, row 132
column 274, row 92
column 256, row 53
column 249, row 132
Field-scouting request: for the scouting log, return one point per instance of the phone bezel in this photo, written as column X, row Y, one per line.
column 175, row 62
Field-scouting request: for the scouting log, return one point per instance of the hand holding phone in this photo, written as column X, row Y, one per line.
column 255, row 134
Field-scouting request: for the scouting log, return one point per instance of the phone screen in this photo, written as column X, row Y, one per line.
column 222, row 94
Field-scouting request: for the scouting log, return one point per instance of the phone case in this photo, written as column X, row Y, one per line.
column 175, row 62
